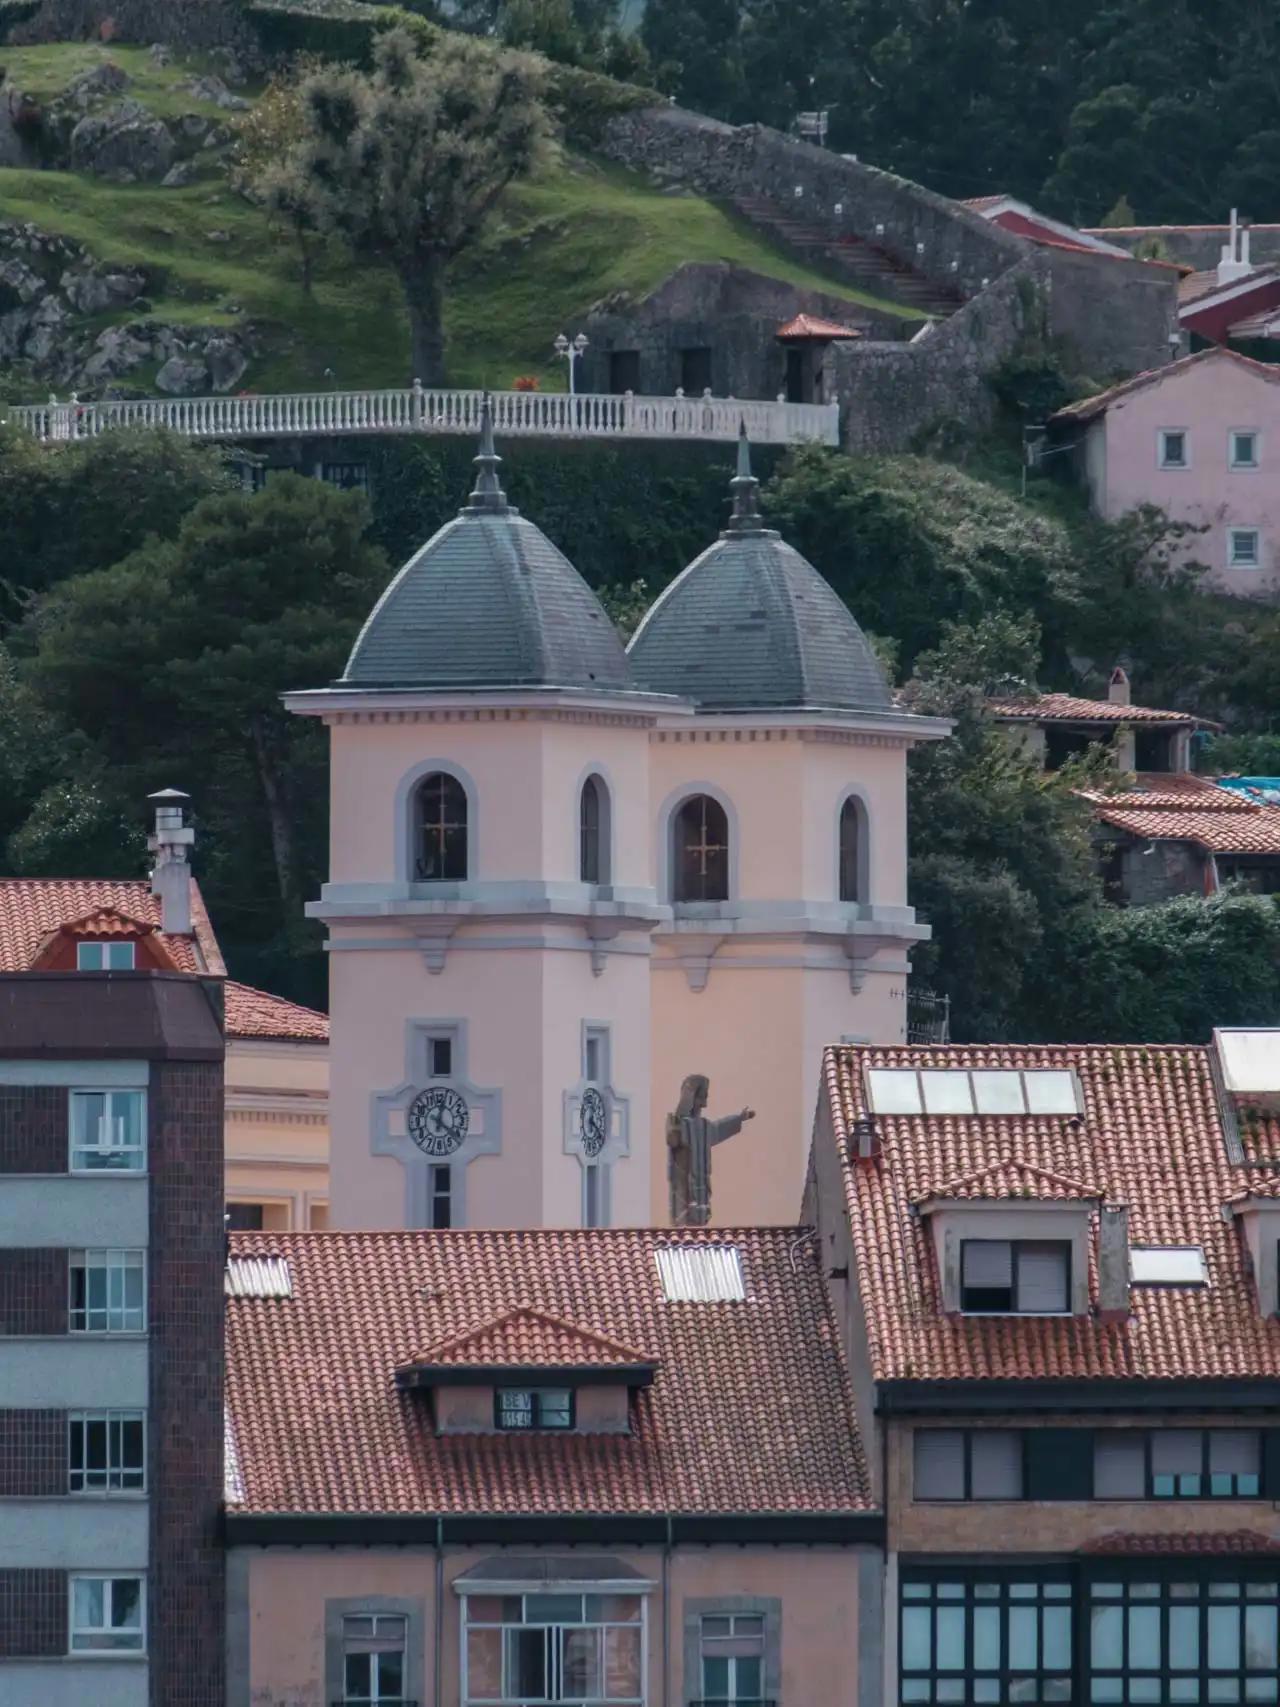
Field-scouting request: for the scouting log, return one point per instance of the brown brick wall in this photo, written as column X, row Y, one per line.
column 33, row 1291
column 33, row 1453
column 33, row 1614
column 33, row 1129
column 186, row 1589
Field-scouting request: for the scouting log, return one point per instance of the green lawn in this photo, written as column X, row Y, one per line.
column 581, row 232
column 46, row 70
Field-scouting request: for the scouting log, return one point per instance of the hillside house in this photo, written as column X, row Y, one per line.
column 1196, row 439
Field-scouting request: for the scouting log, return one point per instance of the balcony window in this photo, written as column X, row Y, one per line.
column 572, row 1648
column 108, row 1292
column 108, row 1132
column 107, row 1615
column 106, row 1452
column 533, row 1407
column 104, row 957
column 733, row 1659
column 1015, row 1277
column 373, row 1660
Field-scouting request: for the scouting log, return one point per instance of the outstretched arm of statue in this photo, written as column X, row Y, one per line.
column 727, row 1125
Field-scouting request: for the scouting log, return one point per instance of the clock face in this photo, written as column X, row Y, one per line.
column 593, row 1122
column 438, row 1120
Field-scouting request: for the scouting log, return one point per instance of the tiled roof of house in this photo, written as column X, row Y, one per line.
column 1068, row 708
column 750, row 1410
column 1190, row 1541
column 1253, row 831
column 814, row 326
column 1151, row 1137
column 1006, row 1178
column 1178, row 791
column 1090, row 407
column 529, row 1339
column 32, row 908
column 254, row 1013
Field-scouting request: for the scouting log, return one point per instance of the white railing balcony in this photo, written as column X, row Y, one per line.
column 516, row 414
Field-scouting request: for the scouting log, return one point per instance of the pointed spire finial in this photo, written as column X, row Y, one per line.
column 487, row 494
column 746, row 517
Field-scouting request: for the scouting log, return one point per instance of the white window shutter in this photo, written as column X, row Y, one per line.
column 939, row 1469
column 988, row 1262
column 1042, row 1278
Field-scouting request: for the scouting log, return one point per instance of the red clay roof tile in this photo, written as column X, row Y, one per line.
column 31, row 908
column 1090, row 407
column 1009, row 1177
column 813, row 326
column 1254, row 831
column 750, row 1410
column 1188, row 1542
column 254, row 1013
column 530, row 1339
column 1151, row 1136
column 1068, row 708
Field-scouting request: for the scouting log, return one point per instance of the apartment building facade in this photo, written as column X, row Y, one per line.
column 111, row 1280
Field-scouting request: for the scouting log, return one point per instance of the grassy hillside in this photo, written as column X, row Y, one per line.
column 583, row 231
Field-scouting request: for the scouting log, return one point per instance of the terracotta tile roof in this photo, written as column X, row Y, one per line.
column 750, row 1410
column 1151, row 1136
column 1067, row 708
column 1260, row 325
column 33, row 908
column 254, row 1013
column 1188, row 1542
column 1090, row 407
column 107, row 922
column 1177, row 790
column 1009, row 1177
column 1255, row 831
column 814, row 326
column 530, row 1339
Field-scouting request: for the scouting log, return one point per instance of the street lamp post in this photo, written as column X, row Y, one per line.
column 571, row 350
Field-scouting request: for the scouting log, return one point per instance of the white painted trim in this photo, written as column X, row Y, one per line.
column 1233, row 562
column 905, row 726
column 545, row 940
column 324, row 702
column 78, row 1075
column 1173, row 467
column 1253, row 467
column 1228, row 292
column 463, row 1586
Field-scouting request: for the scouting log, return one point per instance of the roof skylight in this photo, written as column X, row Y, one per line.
column 1167, row 1265
column 1250, row 1061
column 700, row 1274
column 961, row 1090
column 258, row 1277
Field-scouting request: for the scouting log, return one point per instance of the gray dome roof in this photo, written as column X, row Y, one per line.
column 751, row 625
column 488, row 602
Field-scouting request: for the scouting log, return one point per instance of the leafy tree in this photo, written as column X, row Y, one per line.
column 574, row 32
column 406, row 164
column 66, row 509
column 175, row 659
column 272, row 127
column 1240, row 755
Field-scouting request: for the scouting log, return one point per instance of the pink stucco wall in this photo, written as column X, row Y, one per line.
column 1207, row 400
column 281, row 1595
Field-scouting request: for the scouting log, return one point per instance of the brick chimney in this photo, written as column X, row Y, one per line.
column 171, row 873
column 1113, row 1262
column 1118, row 687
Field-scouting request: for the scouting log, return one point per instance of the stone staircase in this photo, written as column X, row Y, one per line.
column 863, row 263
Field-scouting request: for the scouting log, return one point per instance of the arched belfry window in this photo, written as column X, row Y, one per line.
column 593, row 832
column 700, row 870
column 440, row 829
column 853, row 850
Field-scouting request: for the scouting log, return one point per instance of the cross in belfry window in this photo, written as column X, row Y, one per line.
column 702, row 851
column 441, row 811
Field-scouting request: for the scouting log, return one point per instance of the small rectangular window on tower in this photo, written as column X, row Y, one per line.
column 440, row 1057
column 595, row 1055
column 441, row 1196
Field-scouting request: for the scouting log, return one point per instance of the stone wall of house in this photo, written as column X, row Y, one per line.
column 1115, row 316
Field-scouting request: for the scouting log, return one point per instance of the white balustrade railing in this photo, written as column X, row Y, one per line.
column 516, row 414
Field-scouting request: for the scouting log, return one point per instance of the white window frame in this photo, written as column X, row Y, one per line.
column 1236, row 562
column 523, row 1591
column 1237, row 467
column 376, row 1618
column 137, row 1151
column 105, row 950
column 107, row 1650
column 1163, row 434
column 118, row 1262
column 111, row 1420
column 732, row 1686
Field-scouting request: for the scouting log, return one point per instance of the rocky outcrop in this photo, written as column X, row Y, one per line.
column 49, row 285
column 124, row 143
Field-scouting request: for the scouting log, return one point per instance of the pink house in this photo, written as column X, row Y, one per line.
column 614, row 1467
column 1195, row 439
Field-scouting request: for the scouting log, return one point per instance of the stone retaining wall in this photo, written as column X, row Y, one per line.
column 188, row 25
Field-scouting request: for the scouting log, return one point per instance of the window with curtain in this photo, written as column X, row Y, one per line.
column 440, row 830
column 851, row 851
column 701, row 851
column 593, row 832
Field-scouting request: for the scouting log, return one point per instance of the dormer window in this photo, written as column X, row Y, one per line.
column 104, row 957
column 533, row 1407
column 1015, row 1277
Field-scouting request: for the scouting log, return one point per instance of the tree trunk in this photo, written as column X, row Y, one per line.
column 422, row 280
column 278, row 818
